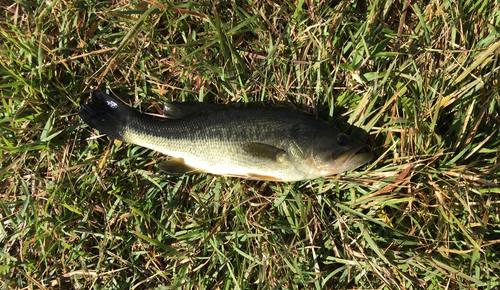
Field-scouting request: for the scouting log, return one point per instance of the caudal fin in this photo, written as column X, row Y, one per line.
column 106, row 114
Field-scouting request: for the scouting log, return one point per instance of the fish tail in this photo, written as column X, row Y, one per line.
column 107, row 114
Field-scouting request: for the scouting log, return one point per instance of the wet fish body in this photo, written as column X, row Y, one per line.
column 250, row 142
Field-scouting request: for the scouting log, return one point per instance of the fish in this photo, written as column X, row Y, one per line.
column 248, row 141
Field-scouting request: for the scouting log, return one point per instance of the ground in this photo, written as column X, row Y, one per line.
column 415, row 80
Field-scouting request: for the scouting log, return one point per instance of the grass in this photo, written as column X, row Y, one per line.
column 416, row 80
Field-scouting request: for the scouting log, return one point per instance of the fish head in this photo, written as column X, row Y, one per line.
column 333, row 152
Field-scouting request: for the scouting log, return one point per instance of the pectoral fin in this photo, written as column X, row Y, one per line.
column 264, row 151
column 177, row 166
column 182, row 110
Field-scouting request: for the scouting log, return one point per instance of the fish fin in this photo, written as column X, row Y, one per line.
column 182, row 110
column 264, row 151
column 254, row 176
column 106, row 114
column 177, row 166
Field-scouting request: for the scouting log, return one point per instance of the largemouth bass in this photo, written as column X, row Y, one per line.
column 250, row 142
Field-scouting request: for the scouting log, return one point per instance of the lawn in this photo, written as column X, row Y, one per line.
column 418, row 81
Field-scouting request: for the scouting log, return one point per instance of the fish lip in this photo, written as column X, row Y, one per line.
column 350, row 159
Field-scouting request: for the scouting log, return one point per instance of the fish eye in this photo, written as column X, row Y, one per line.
column 342, row 139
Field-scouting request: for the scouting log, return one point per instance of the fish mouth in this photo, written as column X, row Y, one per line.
column 351, row 159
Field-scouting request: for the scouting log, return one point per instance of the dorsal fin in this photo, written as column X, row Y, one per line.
column 175, row 110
